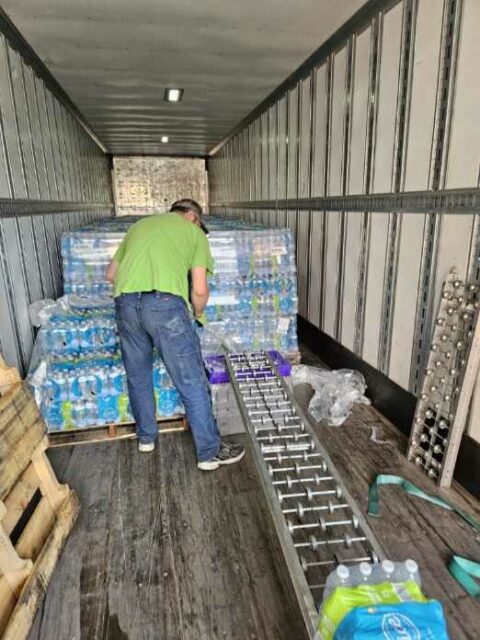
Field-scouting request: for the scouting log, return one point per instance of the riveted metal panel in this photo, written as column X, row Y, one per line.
column 272, row 152
column 65, row 157
column 463, row 162
column 36, row 133
column 303, row 229
column 407, row 283
column 330, row 283
column 315, row 267
column 282, row 149
column 5, row 188
column 10, row 126
column 30, row 259
column 389, row 69
column 25, row 133
column 20, row 297
column 374, row 286
column 74, row 154
column 57, row 148
column 43, row 256
column 264, row 151
column 55, row 260
column 424, row 93
column 353, row 232
column 257, row 138
column 320, row 131
column 305, row 139
column 455, row 233
column 9, row 340
column 46, row 138
column 359, row 112
column 337, row 123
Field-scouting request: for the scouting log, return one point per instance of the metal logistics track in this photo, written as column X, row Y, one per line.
column 317, row 521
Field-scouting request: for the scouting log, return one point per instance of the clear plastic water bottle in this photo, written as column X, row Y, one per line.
column 340, row 577
column 407, row 572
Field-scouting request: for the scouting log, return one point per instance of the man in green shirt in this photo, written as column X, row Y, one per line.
column 154, row 305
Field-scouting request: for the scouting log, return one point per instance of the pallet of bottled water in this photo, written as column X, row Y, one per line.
column 253, row 290
column 78, row 377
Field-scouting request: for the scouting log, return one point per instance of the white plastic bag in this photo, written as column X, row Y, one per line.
column 335, row 392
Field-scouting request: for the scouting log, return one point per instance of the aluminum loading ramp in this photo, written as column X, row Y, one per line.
column 317, row 521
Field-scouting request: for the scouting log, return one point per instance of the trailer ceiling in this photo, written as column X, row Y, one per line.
column 116, row 57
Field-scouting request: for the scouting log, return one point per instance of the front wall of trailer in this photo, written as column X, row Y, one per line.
column 53, row 177
column 392, row 109
column 149, row 184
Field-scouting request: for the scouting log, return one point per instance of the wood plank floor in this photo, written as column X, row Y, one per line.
column 163, row 551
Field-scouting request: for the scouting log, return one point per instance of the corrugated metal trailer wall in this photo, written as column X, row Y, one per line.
column 370, row 152
column 53, row 177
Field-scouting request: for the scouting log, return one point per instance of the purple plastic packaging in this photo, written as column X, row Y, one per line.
column 217, row 369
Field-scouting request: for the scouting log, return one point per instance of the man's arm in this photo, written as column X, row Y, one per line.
column 199, row 293
column 112, row 271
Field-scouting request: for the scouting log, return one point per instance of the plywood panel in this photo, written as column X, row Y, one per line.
column 387, row 100
column 352, row 254
column 463, row 162
column 331, row 271
column 423, row 98
column 315, row 267
column 374, row 293
column 408, row 274
column 319, row 131
column 359, row 112
column 337, row 119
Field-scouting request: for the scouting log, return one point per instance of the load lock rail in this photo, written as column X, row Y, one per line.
column 317, row 521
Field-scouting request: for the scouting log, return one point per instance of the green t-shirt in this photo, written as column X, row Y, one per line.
column 157, row 253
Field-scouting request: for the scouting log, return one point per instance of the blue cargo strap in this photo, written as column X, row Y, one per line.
column 462, row 569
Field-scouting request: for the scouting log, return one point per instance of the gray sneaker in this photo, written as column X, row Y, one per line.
column 228, row 454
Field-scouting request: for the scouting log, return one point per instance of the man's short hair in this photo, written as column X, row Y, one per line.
column 185, row 205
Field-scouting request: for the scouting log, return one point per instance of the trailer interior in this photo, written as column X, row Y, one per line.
column 355, row 125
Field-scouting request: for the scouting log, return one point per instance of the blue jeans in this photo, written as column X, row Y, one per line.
column 162, row 320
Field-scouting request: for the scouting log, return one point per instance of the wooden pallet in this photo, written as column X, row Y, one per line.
column 8, row 377
column 36, row 513
column 112, row 432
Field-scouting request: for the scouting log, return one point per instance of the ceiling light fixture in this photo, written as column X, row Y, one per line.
column 173, row 95
column 164, row 139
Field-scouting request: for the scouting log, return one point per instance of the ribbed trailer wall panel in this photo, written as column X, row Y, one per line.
column 53, row 177
column 392, row 109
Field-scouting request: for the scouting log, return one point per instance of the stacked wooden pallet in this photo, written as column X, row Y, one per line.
column 36, row 512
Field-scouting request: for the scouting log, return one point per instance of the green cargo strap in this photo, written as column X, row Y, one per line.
column 465, row 570
column 462, row 569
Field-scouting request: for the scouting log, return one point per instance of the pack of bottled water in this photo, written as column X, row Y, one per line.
column 253, row 291
column 377, row 601
column 77, row 373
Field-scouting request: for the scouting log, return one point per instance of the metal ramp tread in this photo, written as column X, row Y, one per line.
column 317, row 521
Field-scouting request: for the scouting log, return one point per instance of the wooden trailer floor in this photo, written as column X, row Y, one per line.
column 164, row 552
